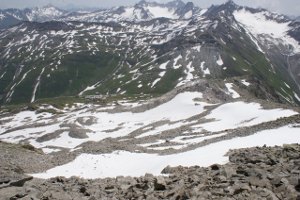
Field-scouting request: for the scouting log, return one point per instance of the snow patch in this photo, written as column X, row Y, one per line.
column 164, row 65
column 296, row 96
column 245, row 83
column 237, row 114
column 157, row 12
column 231, row 91
column 176, row 64
column 220, row 61
column 188, row 15
column 205, row 71
column 155, row 82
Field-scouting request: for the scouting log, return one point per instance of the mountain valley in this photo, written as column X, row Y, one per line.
column 128, row 91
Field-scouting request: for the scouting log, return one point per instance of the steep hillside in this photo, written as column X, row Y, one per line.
column 172, row 45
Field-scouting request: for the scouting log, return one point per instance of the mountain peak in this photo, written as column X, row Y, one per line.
column 230, row 4
column 228, row 7
column 49, row 5
column 176, row 3
column 142, row 2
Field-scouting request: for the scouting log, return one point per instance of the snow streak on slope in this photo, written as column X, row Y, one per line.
column 37, row 85
column 137, row 164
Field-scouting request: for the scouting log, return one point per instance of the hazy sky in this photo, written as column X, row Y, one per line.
column 289, row 7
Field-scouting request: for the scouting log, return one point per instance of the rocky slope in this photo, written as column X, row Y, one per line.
column 254, row 173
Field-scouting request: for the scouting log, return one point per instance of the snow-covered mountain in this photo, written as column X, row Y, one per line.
column 10, row 17
column 43, row 14
column 142, row 11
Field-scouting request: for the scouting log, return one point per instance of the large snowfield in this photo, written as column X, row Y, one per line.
column 186, row 109
column 123, row 163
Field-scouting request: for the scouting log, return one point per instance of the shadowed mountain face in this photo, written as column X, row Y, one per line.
column 148, row 48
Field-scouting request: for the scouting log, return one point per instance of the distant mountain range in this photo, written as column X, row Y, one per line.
column 140, row 12
column 147, row 48
column 10, row 17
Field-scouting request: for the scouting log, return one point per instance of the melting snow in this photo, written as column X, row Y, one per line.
column 155, row 82
column 2, row 75
column 287, row 85
column 237, row 114
column 164, row 65
column 205, row 71
column 123, row 123
column 245, row 82
column 231, row 91
column 161, row 74
column 220, row 61
column 197, row 48
column 137, row 164
column 297, row 97
column 36, row 85
column 176, row 64
column 189, row 72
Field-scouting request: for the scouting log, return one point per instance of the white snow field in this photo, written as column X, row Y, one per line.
column 176, row 112
column 259, row 25
column 122, row 163
column 180, row 111
column 238, row 114
column 179, row 108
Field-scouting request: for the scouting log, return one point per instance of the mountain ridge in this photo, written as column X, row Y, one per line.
column 150, row 56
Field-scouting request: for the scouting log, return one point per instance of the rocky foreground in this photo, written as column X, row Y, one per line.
column 254, row 173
